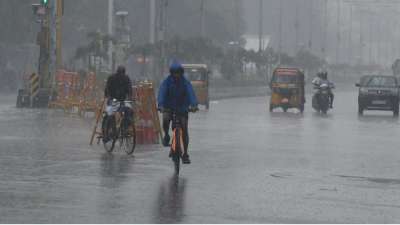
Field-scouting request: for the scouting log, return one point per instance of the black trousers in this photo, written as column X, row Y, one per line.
column 332, row 97
column 184, row 119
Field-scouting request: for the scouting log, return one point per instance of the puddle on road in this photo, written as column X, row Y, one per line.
column 371, row 179
column 281, row 175
column 15, row 138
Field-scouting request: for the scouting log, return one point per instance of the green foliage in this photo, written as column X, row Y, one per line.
column 306, row 60
column 190, row 50
column 97, row 46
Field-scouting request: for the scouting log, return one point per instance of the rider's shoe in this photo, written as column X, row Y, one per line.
column 186, row 159
column 166, row 140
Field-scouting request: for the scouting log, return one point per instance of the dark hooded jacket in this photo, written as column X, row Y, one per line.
column 176, row 93
column 118, row 86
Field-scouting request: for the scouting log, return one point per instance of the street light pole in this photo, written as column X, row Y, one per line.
column 370, row 39
column 324, row 48
column 310, row 43
column 261, row 26
column 110, row 33
column 280, row 32
column 338, row 33
column 152, row 19
column 296, row 27
column 351, row 35
column 202, row 19
column 53, row 43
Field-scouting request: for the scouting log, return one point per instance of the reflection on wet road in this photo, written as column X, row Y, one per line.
column 170, row 205
column 249, row 166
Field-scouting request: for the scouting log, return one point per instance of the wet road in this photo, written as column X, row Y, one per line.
column 248, row 166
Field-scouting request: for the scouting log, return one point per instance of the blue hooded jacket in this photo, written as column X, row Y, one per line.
column 176, row 94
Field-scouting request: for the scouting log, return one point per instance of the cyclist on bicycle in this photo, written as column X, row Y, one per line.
column 118, row 87
column 176, row 94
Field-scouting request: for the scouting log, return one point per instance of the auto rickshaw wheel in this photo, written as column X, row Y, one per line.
column 396, row 110
column 360, row 110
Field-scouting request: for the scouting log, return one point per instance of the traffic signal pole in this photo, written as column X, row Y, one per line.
column 60, row 12
column 52, row 60
column 49, row 40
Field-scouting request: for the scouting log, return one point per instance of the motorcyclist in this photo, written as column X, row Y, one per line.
column 176, row 94
column 118, row 87
column 322, row 78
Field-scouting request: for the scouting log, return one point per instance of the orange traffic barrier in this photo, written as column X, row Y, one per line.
column 72, row 95
column 67, row 90
column 148, row 123
column 89, row 101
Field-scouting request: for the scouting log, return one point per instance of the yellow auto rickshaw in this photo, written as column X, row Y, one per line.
column 287, row 86
column 198, row 74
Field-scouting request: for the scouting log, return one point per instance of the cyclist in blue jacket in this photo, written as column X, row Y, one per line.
column 176, row 94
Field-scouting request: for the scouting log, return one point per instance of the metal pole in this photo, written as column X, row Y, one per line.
column 59, row 33
column 261, row 26
column 351, row 35
column 311, row 24
column 338, row 33
column 325, row 28
column 280, row 32
column 378, row 55
column 361, row 38
column 161, row 33
column 202, row 19
column 296, row 27
column 53, row 43
column 237, row 21
column 397, row 50
column 152, row 28
column 110, row 32
column 370, row 39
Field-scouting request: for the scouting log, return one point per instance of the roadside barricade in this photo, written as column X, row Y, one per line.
column 148, row 127
column 89, row 101
column 74, row 97
column 67, row 87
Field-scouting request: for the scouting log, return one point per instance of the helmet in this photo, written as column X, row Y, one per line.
column 325, row 75
column 121, row 70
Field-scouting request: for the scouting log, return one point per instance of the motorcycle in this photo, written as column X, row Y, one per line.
column 321, row 99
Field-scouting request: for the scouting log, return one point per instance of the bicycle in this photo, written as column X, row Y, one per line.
column 177, row 143
column 119, row 128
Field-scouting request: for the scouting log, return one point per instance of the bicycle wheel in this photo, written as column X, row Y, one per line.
column 110, row 133
column 129, row 139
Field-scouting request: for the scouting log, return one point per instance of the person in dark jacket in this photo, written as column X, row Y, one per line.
column 176, row 94
column 118, row 87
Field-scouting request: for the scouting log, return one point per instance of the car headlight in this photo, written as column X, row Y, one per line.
column 363, row 91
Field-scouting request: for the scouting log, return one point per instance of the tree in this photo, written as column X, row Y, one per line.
column 306, row 60
column 97, row 47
